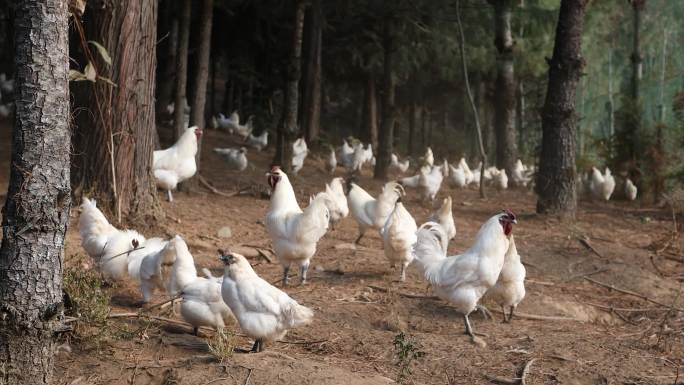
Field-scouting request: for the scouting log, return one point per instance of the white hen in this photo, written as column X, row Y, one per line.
column 105, row 244
column 294, row 232
column 402, row 167
column 630, row 190
column 235, row 158
column 370, row 212
column 176, row 163
column 463, row 279
column 399, row 236
column 264, row 312
column 299, row 152
column 259, row 142
column 203, row 303
column 183, row 270
column 457, row 177
column 150, row 264
column 429, row 158
column 331, row 163
column 430, row 182
column 445, row 218
column 337, row 204
column 509, row 290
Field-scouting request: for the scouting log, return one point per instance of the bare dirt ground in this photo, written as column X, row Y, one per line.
column 594, row 335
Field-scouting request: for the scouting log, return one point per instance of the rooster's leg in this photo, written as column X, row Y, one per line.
column 359, row 238
column 469, row 330
column 302, row 271
column 503, row 310
column 255, row 347
column 195, row 331
column 510, row 316
column 402, row 278
column 486, row 314
column 286, row 270
column 262, row 346
column 169, row 195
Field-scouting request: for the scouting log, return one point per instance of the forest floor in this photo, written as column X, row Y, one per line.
column 593, row 335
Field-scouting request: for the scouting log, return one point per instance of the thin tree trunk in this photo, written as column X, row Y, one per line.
column 311, row 88
column 556, row 178
column 115, row 142
column 504, row 117
column 386, row 137
column 182, row 69
column 611, row 104
column 212, row 89
column 464, row 67
column 520, row 116
column 663, row 67
column 412, row 126
column 165, row 85
column 36, row 213
column 423, row 126
column 369, row 132
column 202, row 76
column 287, row 130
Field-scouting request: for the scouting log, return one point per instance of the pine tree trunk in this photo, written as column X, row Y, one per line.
column 504, row 111
column 520, row 109
column 287, row 130
column 202, row 76
column 412, row 126
column 556, row 178
column 180, row 93
column 114, row 140
column 36, row 213
column 311, row 87
column 386, row 137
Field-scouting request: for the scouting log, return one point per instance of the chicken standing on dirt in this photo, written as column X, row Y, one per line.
column 509, row 290
column 203, row 304
column 149, row 264
column 235, row 158
column 370, row 212
column 263, row 311
column 430, row 182
column 463, row 279
column 176, row 163
column 294, row 232
column 399, row 236
column 337, row 204
column 445, row 218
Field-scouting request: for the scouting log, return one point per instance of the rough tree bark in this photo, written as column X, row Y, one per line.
column 115, row 136
column 311, row 88
column 556, row 178
column 504, row 101
column 202, row 75
column 386, row 137
column 288, row 129
column 180, row 93
column 36, row 212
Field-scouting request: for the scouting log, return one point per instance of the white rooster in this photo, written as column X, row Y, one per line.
column 402, row 167
column 445, row 218
column 399, row 236
column 463, row 279
column 299, row 152
column 176, row 163
column 294, row 232
column 509, row 290
column 264, row 312
column 235, row 158
column 630, row 190
column 370, row 212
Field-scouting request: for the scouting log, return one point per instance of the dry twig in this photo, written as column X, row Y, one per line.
column 629, row 292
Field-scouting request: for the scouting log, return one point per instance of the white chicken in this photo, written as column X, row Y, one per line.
column 203, row 303
column 608, row 185
column 630, row 190
column 150, row 264
column 429, row 158
column 294, row 232
column 411, row 181
column 402, row 167
column 228, row 124
column 445, row 217
column 337, row 204
column 463, row 279
column 399, row 236
column 501, row 179
column 259, row 142
column 299, row 152
column 519, row 175
column 183, row 270
column 509, row 290
column 264, row 312
column 331, row 163
column 370, row 212
column 235, row 158
column 601, row 186
column 469, row 177
column 457, row 177
column 346, row 153
column 105, row 244
column 176, row 163
column 430, row 182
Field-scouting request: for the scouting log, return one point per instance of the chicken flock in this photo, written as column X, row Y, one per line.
column 491, row 268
